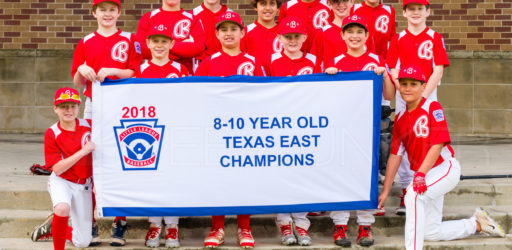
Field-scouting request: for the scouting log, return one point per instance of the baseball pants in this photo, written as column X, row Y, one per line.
column 157, row 220
column 364, row 217
column 300, row 219
column 424, row 212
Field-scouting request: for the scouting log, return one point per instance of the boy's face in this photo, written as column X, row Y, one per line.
column 267, row 10
column 171, row 3
column 355, row 37
column 159, row 46
column 66, row 111
column 107, row 13
column 212, row 2
column 372, row 3
column 342, row 7
column 229, row 35
column 411, row 89
column 292, row 42
column 416, row 13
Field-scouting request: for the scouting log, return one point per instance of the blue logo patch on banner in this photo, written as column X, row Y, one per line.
column 438, row 115
column 139, row 142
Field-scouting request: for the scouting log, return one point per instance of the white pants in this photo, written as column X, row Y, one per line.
column 364, row 217
column 300, row 219
column 157, row 220
column 405, row 174
column 424, row 212
column 79, row 199
column 88, row 109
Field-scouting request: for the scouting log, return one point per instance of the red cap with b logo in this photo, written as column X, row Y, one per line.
column 229, row 16
column 95, row 2
column 66, row 95
column 354, row 19
column 161, row 30
column 291, row 24
column 412, row 72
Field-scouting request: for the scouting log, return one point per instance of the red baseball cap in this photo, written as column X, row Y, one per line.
column 354, row 19
column 161, row 30
column 292, row 24
column 66, row 95
column 95, row 2
column 412, row 72
column 229, row 16
column 422, row 2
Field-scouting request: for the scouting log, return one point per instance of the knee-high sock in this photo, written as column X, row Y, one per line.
column 244, row 221
column 59, row 231
column 218, row 221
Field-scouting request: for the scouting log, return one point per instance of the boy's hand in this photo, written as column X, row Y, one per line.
column 89, row 147
column 87, row 72
column 331, row 70
column 381, row 71
column 418, row 183
column 104, row 72
column 382, row 198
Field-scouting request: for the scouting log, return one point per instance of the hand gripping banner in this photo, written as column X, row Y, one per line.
column 199, row 146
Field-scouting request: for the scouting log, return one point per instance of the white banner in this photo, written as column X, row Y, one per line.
column 236, row 145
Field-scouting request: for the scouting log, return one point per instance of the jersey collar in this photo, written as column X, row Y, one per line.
column 222, row 9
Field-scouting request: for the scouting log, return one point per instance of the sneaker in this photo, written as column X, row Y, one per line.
column 302, row 236
column 287, row 237
column 245, row 238
column 118, row 230
column 43, row 231
column 172, row 239
column 379, row 212
column 365, row 238
column 401, row 210
column 95, row 235
column 153, row 236
column 487, row 224
column 215, row 238
column 340, row 236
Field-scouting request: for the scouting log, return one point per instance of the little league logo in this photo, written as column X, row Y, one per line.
column 139, row 142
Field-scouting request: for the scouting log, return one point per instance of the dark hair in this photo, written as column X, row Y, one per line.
column 350, row 25
column 254, row 3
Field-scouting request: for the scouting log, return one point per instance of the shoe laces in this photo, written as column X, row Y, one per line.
column 340, row 231
column 364, row 231
column 286, row 229
column 153, row 232
column 245, row 233
column 301, row 231
column 172, row 233
column 215, row 232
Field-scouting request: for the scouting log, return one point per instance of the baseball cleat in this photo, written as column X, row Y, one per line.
column 340, row 236
column 172, row 240
column 153, row 236
column 302, row 236
column 95, row 235
column 287, row 237
column 43, row 231
column 487, row 224
column 245, row 238
column 119, row 227
column 379, row 212
column 365, row 238
column 215, row 238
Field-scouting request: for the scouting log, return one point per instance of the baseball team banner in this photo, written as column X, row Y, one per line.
column 236, row 145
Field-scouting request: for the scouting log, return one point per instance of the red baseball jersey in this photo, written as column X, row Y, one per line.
column 417, row 131
column 425, row 50
column 260, row 41
column 60, row 144
column 282, row 65
column 315, row 15
column 329, row 43
column 381, row 24
column 183, row 28
column 208, row 19
column 222, row 64
column 119, row 50
column 366, row 62
column 171, row 69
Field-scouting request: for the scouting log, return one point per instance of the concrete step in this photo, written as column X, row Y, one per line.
column 395, row 242
column 20, row 223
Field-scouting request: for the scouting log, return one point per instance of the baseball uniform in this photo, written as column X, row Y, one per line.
column 171, row 69
column 208, row 19
column 222, row 64
column 282, row 65
column 260, row 42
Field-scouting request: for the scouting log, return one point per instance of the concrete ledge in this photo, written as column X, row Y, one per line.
column 480, row 54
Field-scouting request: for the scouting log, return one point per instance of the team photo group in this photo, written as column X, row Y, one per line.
column 293, row 38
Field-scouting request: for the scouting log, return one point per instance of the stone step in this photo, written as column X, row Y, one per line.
column 20, row 223
column 395, row 242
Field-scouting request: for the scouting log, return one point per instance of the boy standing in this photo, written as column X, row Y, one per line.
column 160, row 66
column 67, row 148
column 417, row 45
column 229, row 61
column 421, row 131
column 357, row 58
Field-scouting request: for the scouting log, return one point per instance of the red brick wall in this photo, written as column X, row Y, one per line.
column 472, row 25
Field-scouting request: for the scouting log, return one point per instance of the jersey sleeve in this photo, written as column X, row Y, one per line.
column 142, row 34
column 392, row 55
column 282, row 12
column 203, row 68
column 396, row 143
column 440, row 56
column 52, row 153
column 438, row 126
column 317, row 48
column 78, row 57
column 195, row 46
column 135, row 54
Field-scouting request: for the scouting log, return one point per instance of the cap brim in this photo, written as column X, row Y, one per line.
column 160, row 35
column 225, row 21
column 55, row 103
column 359, row 24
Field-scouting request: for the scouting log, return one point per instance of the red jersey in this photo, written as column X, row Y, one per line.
column 417, row 131
column 328, row 43
column 315, row 16
column 171, row 69
column 222, row 64
column 208, row 19
column 60, row 144
column 183, row 28
column 119, row 50
column 282, row 65
column 260, row 41
column 425, row 50
column 366, row 62
column 381, row 24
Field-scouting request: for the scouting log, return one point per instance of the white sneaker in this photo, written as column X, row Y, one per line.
column 153, row 237
column 172, row 240
column 487, row 224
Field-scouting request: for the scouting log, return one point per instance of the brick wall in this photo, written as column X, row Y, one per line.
column 472, row 25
